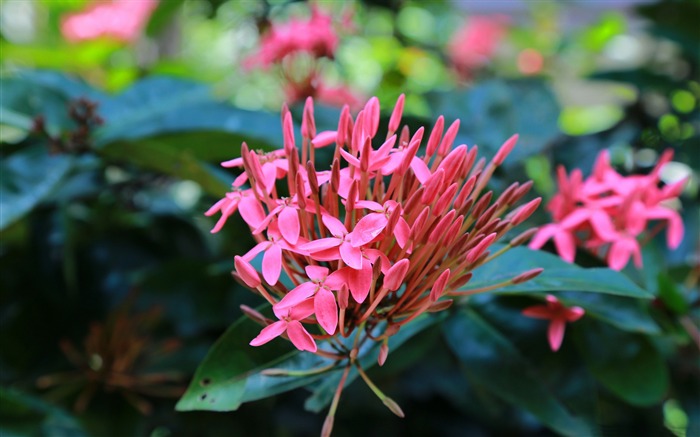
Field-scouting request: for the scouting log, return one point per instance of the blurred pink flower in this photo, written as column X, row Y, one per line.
column 315, row 36
column 558, row 315
column 607, row 212
column 122, row 20
column 475, row 43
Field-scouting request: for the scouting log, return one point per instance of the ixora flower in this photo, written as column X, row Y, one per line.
column 296, row 47
column 352, row 253
column 558, row 315
column 475, row 43
column 122, row 20
column 606, row 212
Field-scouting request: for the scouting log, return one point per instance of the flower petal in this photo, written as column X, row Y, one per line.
column 272, row 264
column 321, row 244
column 555, row 333
column 360, row 282
column 367, row 229
column 300, row 293
column 269, row 332
column 301, row 339
column 334, row 225
column 316, row 273
column 289, row 224
column 326, row 310
column 352, row 256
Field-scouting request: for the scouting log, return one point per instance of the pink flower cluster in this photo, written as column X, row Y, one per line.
column 315, row 36
column 606, row 212
column 122, row 20
column 381, row 237
column 475, row 43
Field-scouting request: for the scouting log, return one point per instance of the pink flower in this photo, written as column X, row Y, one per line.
column 607, row 212
column 474, row 44
column 122, row 20
column 315, row 36
column 558, row 315
column 378, row 239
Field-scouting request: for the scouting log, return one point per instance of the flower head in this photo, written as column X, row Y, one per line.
column 315, row 36
column 606, row 212
column 474, row 44
column 558, row 315
column 374, row 241
column 122, row 20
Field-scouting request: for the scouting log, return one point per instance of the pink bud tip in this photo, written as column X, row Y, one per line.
column 505, row 150
column 383, row 353
column 526, row 276
column 396, row 274
column 247, row 273
column 396, row 114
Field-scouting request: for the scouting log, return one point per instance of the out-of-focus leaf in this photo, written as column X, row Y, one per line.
column 24, row 415
column 209, row 146
column 493, row 362
column 492, row 111
column 627, row 364
column 558, row 275
column 162, row 15
column 27, row 178
column 155, row 155
column 642, row 78
column 160, row 105
column 677, row 21
column 671, row 295
column 230, row 374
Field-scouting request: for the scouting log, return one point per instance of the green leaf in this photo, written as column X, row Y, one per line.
column 492, row 361
column 493, row 110
column 22, row 414
column 155, row 155
column 230, row 373
column 627, row 364
column 558, row 275
column 27, row 178
column 159, row 105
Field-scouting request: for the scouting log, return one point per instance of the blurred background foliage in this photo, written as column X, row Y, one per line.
column 110, row 153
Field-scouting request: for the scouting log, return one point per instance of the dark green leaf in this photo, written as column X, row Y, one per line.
column 155, row 155
column 493, row 361
column 558, row 275
column 161, row 105
column 627, row 364
column 22, row 415
column 27, row 178
column 230, row 374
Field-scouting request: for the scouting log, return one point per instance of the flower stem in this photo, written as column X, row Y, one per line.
column 328, row 423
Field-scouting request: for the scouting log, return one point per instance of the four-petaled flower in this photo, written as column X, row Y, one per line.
column 558, row 315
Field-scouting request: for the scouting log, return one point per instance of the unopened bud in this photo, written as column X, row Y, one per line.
column 462, row 281
column 391, row 330
column 383, row 353
column 522, row 238
column 524, row 212
column 435, row 135
column 308, row 125
column 505, row 150
column 530, row 274
column 448, row 139
column 254, row 315
column 342, row 296
column 246, row 272
column 313, row 179
column 395, row 275
column 327, row 426
column 439, row 285
column 395, row 119
column 440, row 306
column 476, row 252
column 393, row 406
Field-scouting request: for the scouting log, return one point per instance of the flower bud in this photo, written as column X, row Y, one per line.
column 395, row 275
column 246, row 272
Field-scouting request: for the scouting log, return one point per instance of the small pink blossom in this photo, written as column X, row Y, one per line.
column 475, row 43
column 122, row 20
column 558, row 315
column 607, row 212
